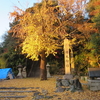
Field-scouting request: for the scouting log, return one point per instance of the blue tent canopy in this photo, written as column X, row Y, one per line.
column 6, row 73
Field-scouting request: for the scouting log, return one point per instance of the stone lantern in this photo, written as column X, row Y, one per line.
column 48, row 73
column 20, row 68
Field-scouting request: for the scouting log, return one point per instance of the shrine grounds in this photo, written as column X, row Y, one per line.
column 37, row 86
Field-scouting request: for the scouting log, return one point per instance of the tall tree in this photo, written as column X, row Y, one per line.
column 39, row 32
column 43, row 29
column 93, row 9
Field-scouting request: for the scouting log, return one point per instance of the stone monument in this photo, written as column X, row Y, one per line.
column 20, row 67
column 94, row 81
column 48, row 72
column 24, row 72
column 69, row 83
column 67, row 56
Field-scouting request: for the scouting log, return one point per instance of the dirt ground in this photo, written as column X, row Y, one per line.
column 50, row 86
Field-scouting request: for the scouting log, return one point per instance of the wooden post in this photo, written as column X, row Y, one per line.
column 66, row 56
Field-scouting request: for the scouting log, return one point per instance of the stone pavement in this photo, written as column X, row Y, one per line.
column 9, row 93
column 23, row 93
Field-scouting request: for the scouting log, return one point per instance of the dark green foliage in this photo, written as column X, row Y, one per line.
column 56, row 62
column 94, row 44
column 10, row 53
column 96, row 19
column 81, row 64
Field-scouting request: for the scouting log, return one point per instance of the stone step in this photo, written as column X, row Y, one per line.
column 17, row 88
column 13, row 96
column 15, row 91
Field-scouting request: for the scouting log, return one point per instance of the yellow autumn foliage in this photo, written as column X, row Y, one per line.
column 44, row 28
column 40, row 31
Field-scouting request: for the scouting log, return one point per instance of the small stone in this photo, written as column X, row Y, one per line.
column 71, row 81
column 44, row 91
column 65, row 82
column 58, row 84
column 36, row 93
column 39, row 97
column 60, row 89
column 68, row 76
column 59, row 98
column 72, row 88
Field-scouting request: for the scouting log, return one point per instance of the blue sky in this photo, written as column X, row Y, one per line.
column 7, row 6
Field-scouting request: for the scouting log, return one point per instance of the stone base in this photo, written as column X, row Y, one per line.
column 94, row 85
column 68, row 84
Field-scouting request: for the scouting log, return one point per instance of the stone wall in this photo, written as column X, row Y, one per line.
column 94, row 85
column 68, row 83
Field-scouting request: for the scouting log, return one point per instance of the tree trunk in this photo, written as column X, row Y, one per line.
column 67, row 57
column 43, row 71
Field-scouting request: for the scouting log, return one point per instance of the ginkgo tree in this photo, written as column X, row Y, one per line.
column 39, row 32
column 43, row 28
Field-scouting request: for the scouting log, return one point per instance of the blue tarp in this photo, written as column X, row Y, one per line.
column 6, row 73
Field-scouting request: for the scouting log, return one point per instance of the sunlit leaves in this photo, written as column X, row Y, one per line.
column 94, row 12
column 33, row 49
column 43, row 27
column 39, row 31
